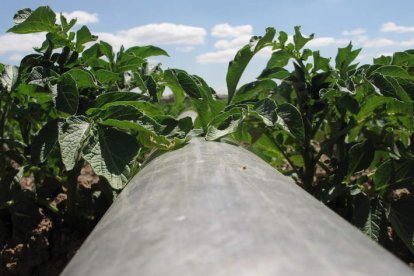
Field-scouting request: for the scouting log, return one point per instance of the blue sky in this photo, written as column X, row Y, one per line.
column 203, row 36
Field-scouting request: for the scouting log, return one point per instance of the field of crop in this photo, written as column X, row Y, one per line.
column 79, row 118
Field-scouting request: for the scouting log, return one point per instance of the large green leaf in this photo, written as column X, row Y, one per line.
column 299, row 40
column 368, row 216
column 106, row 76
column 111, row 153
column 146, row 51
column 266, row 110
column 110, row 97
column 9, row 77
column 225, row 123
column 188, row 84
column 83, row 79
column 320, row 63
column 243, row 57
column 67, row 94
column 39, row 76
column 40, row 20
column 274, row 73
column 22, row 15
column 291, row 120
column 145, row 107
column 393, row 71
column 83, row 35
column 360, row 156
column 345, row 57
column 206, row 105
column 171, row 81
column 278, row 59
column 383, row 175
column 130, row 113
column 44, row 142
column 72, row 135
column 255, row 89
column 402, row 220
column 128, row 62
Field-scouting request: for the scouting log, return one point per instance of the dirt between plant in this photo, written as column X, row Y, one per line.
column 36, row 241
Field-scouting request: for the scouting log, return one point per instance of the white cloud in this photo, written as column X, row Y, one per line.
column 392, row 27
column 222, row 56
column 325, row 41
column 159, row 34
column 376, row 42
column 385, row 54
column 408, row 43
column 82, row 17
column 15, row 57
column 354, row 32
column 186, row 49
column 235, row 38
column 237, row 42
column 226, row 30
column 20, row 43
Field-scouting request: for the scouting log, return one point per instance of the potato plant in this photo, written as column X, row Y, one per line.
column 342, row 130
column 76, row 101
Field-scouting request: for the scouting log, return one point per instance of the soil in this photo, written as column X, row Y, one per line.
column 36, row 241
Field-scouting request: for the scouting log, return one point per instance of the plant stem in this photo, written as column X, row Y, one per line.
column 72, row 186
column 294, row 168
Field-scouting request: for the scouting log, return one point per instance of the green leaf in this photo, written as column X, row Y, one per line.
column 382, row 60
column 283, row 37
column 72, row 135
column 255, row 89
column 111, row 153
column 368, row 217
column 371, row 103
column 151, row 85
column 39, row 76
column 40, row 20
column 299, row 40
column 146, row 51
column 278, row 59
column 393, row 71
column 127, row 112
column 9, row 77
column 291, row 120
column 128, row 62
column 110, row 97
column 206, row 111
column 266, row 110
column 44, row 142
column 224, row 124
column 65, row 25
column 106, row 77
column 83, row 35
column 243, row 57
column 402, row 221
column 106, row 49
column 345, row 57
column 383, row 175
column 143, row 106
column 67, row 95
column 320, row 63
column 171, row 81
column 274, row 73
column 83, row 79
column 188, row 84
column 360, row 156
column 22, row 15
column 402, row 59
